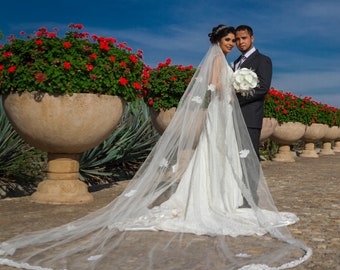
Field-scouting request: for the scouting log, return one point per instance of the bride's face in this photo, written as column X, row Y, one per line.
column 227, row 43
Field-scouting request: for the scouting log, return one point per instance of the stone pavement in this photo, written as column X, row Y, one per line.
column 309, row 187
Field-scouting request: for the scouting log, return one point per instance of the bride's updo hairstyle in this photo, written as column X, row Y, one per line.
column 220, row 31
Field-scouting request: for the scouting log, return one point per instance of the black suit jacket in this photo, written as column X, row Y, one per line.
column 253, row 106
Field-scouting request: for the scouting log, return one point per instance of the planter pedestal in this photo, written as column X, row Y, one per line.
column 314, row 133
column 337, row 142
column 64, row 127
column 336, row 148
column 331, row 134
column 62, row 184
column 286, row 134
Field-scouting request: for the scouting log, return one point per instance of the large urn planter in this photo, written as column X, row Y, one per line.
column 268, row 127
column 64, row 127
column 331, row 134
column 337, row 142
column 162, row 118
column 314, row 133
column 286, row 134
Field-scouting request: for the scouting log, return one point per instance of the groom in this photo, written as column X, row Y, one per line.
column 253, row 106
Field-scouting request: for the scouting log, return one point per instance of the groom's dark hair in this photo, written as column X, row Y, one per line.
column 244, row 27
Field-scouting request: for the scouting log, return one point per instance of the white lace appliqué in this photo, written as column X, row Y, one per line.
column 212, row 87
column 130, row 193
column 94, row 257
column 243, row 255
column 175, row 168
column 244, row 153
column 71, row 227
column 197, row 99
column 164, row 163
column 199, row 79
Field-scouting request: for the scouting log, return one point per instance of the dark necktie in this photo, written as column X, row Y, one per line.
column 243, row 58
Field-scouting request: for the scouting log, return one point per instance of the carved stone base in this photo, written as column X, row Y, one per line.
column 284, row 154
column 326, row 149
column 309, row 151
column 62, row 192
column 62, row 185
column 337, row 147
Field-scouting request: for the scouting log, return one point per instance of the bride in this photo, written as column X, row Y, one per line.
column 184, row 208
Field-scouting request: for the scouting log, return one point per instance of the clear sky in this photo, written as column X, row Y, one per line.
column 301, row 36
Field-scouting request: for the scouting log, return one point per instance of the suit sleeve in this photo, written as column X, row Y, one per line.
column 264, row 73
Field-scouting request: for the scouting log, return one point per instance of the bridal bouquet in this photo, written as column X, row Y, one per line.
column 244, row 81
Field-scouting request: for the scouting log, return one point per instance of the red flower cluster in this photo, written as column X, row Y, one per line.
column 79, row 62
column 165, row 84
column 287, row 107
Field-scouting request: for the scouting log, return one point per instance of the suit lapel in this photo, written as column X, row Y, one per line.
column 250, row 59
column 236, row 61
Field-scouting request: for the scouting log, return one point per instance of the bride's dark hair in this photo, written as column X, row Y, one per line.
column 220, row 31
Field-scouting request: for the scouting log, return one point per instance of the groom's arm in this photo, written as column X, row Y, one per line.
column 264, row 73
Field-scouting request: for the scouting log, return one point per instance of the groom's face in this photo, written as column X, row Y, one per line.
column 244, row 42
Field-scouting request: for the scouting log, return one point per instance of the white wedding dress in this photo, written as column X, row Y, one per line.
column 208, row 197
column 183, row 209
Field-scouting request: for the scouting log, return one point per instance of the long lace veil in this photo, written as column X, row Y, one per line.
column 118, row 237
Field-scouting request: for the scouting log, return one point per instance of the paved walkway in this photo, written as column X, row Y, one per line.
column 309, row 187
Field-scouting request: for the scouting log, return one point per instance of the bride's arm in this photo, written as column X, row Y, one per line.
column 219, row 78
column 215, row 78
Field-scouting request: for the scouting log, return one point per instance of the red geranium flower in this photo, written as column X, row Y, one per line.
column 7, row 54
column 12, row 69
column 67, row 65
column 137, row 85
column 133, row 58
column 93, row 56
column 123, row 81
column 89, row 67
column 40, row 77
column 38, row 42
column 67, row 45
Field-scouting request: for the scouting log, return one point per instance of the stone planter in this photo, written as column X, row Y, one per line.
column 268, row 127
column 285, row 134
column 313, row 134
column 64, row 127
column 331, row 134
column 161, row 119
column 336, row 147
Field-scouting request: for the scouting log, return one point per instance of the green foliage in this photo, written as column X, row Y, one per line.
column 11, row 145
column 337, row 118
column 166, row 85
column 268, row 149
column 326, row 114
column 286, row 107
column 75, row 63
column 18, row 161
column 119, row 156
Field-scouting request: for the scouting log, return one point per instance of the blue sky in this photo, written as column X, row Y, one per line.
column 301, row 36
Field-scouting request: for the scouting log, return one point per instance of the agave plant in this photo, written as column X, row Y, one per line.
column 11, row 144
column 119, row 156
column 20, row 163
